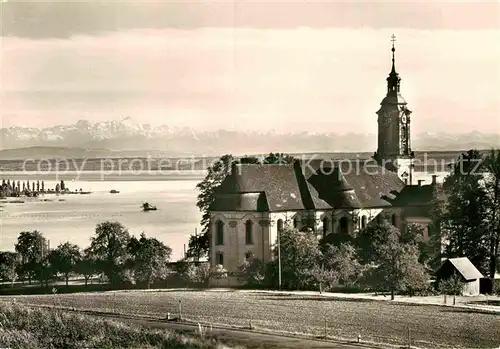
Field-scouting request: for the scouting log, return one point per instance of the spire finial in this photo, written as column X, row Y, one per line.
column 393, row 39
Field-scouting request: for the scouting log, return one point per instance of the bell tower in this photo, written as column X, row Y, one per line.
column 394, row 146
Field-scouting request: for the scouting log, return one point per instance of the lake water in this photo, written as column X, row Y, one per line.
column 75, row 218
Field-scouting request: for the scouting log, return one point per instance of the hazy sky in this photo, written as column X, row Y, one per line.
column 250, row 65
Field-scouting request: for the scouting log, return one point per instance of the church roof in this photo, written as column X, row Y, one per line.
column 307, row 184
column 331, row 188
column 416, row 199
column 242, row 202
column 278, row 182
column 416, row 195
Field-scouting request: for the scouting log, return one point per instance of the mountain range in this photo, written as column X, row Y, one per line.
column 128, row 137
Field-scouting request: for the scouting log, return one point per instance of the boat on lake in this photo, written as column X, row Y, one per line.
column 114, row 191
column 147, row 207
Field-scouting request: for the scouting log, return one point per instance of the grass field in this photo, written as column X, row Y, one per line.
column 379, row 321
column 24, row 328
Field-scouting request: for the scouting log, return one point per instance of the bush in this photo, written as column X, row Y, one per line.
column 37, row 328
column 251, row 272
column 425, row 291
column 452, row 286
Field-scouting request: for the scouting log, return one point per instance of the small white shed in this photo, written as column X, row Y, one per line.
column 462, row 266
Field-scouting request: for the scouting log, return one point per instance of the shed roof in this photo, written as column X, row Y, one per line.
column 465, row 267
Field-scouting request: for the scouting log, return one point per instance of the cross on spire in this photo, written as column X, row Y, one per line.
column 393, row 39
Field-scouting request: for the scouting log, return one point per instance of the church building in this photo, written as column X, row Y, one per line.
column 325, row 196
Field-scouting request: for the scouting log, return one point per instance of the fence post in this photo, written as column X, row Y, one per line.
column 409, row 337
column 325, row 328
column 359, row 338
column 54, row 291
column 180, row 310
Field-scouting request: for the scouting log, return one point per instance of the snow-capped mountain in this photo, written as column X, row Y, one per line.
column 128, row 134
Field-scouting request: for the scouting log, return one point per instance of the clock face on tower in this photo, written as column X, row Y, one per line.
column 403, row 119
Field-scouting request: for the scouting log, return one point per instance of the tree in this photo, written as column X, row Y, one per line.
column 207, row 188
column 465, row 220
column 149, row 259
column 31, row 248
column 370, row 240
column 64, row 259
column 323, row 279
column 109, row 248
column 429, row 250
column 342, row 260
column 202, row 273
column 199, row 245
column 86, row 266
column 299, row 252
column 181, row 268
column 278, row 159
column 492, row 182
column 44, row 271
column 432, row 249
column 251, row 271
column 393, row 263
column 198, row 274
column 218, row 272
column 8, row 266
column 337, row 240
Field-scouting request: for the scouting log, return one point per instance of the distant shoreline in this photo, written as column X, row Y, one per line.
column 194, row 166
column 97, row 176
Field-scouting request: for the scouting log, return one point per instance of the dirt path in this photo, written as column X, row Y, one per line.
column 248, row 339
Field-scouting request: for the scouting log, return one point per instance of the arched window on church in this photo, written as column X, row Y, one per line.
column 394, row 220
column 248, row 232
column 219, row 233
column 219, row 258
column 344, row 226
column 363, row 222
column 280, row 225
column 326, row 222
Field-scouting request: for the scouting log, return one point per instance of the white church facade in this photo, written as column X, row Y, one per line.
column 324, row 196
